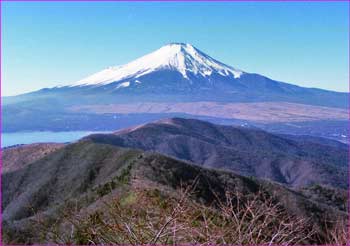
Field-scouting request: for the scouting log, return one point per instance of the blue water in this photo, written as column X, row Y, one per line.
column 8, row 139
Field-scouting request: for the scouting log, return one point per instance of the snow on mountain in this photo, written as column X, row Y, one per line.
column 176, row 56
column 124, row 84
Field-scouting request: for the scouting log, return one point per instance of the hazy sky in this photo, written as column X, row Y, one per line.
column 45, row 44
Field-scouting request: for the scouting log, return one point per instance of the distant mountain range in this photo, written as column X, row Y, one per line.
column 175, row 80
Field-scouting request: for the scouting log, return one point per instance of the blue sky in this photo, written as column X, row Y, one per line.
column 45, row 44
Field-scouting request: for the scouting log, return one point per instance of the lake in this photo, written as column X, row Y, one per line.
column 13, row 138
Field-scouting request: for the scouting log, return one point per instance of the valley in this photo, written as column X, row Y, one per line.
column 267, row 112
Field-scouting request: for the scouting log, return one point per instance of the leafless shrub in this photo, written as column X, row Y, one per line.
column 150, row 217
column 338, row 233
column 256, row 219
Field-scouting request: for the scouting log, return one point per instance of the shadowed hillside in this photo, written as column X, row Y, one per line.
column 251, row 152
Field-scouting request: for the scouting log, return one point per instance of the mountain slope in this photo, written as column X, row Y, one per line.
column 15, row 158
column 180, row 68
column 85, row 175
column 245, row 151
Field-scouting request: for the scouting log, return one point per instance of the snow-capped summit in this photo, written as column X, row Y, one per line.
column 180, row 57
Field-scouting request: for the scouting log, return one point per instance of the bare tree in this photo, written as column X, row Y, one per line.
column 152, row 217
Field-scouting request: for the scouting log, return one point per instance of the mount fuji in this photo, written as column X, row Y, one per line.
column 177, row 57
column 174, row 74
column 181, row 72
